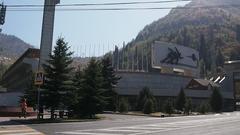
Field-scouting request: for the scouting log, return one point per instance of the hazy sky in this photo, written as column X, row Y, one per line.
column 84, row 29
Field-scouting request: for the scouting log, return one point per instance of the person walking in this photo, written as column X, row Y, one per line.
column 23, row 106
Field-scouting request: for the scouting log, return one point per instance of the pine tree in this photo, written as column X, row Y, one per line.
column 58, row 83
column 168, row 106
column 188, row 106
column 123, row 106
column 92, row 100
column 148, row 106
column 78, row 78
column 204, row 107
column 216, row 100
column 110, row 80
column 181, row 100
column 143, row 96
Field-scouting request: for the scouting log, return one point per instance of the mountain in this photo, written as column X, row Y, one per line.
column 210, row 26
column 11, row 46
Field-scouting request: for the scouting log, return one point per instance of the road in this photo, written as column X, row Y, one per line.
column 217, row 124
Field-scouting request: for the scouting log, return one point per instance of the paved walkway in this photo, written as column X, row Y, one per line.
column 9, row 127
column 18, row 130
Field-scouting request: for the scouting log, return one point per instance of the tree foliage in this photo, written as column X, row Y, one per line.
column 180, row 101
column 58, row 84
column 204, row 107
column 168, row 106
column 188, row 106
column 216, row 100
column 149, row 106
column 92, row 99
column 110, row 80
column 123, row 106
column 144, row 95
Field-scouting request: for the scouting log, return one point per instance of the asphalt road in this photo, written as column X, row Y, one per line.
column 217, row 124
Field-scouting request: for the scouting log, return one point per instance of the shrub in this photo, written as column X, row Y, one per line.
column 144, row 95
column 148, row 106
column 168, row 106
column 216, row 101
column 204, row 108
column 188, row 106
column 123, row 106
column 180, row 101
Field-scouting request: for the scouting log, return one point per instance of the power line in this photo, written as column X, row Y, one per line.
column 105, row 4
column 122, row 9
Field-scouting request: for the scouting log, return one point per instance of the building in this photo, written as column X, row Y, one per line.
column 18, row 77
column 179, row 69
column 232, row 80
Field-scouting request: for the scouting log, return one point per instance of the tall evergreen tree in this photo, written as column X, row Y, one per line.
column 216, row 100
column 188, row 106
column 58, row 83
column 78, row 78
column 144, row 95
column 181, row 100
column 110, row 80
column 149, row 106
column 92, row 100
column 168, row 106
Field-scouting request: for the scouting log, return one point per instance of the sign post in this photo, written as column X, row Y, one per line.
column 39, row 79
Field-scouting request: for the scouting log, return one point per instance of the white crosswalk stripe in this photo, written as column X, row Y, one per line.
column 18, row 130
column 150, row 128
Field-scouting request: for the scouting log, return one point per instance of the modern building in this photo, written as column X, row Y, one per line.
column 179, row 69
column 165, row 86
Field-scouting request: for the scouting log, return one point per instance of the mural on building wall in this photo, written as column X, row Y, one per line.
column 174, row 56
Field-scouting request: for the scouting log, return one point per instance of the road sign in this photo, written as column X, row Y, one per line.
column 2, row 14
column 39, row 78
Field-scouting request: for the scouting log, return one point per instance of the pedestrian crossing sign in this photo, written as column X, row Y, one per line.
column 39, row 78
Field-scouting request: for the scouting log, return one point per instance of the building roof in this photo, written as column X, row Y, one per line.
column 30, row 53
column 205, row 83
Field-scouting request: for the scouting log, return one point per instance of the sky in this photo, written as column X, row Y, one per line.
column 89, row 33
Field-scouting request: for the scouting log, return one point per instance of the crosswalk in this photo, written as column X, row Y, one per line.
column 151, row 128
column 18, row 130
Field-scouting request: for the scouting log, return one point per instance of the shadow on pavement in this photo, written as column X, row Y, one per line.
column 10, row 122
